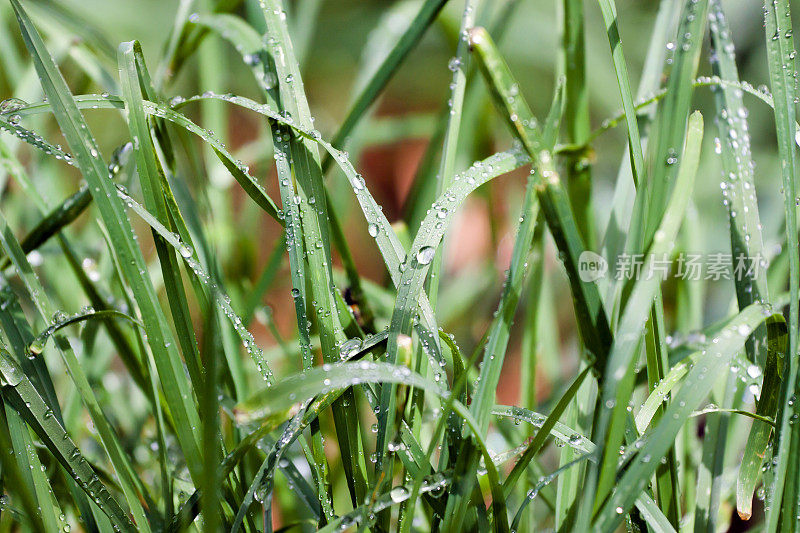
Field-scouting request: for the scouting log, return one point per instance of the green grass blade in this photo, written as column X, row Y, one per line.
column 25, row 476
column 444, row 178
column 377, row 81
column 566, row 434
column 544, row 431
column 322, row 380
column 746, row 241
column 696, row 387
column 18, row 390
column 315, row 232
column 609, row 12
column 576, row 115
column 617, row 385
column 500, row 329
column 149, row 171
column 54, row 221
column 95, row 171
column 592, row 318
column 663, row 29
column 781, row 62
column 669, row 129
column 760, row 432
column 38, row 343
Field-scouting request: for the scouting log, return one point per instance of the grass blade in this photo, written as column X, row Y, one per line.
column 95, row 171
column 696, row 387
column 781, row 62
column 617, row 385
column 592, row 319
column 19, row 391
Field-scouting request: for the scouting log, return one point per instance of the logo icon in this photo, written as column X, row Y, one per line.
column 591, row 266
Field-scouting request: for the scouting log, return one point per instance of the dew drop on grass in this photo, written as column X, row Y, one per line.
column 398, row 494
column 35, row 258
column 425, row 255
column 372, row 229
column 10, row 105
column 672, row 157
column 59, row 317
column 185, row 250
column 454, row 64
column 350, row 347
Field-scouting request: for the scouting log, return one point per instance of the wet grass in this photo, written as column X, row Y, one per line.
column 146, row 386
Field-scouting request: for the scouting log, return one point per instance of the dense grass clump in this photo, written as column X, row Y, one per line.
column 219, row 314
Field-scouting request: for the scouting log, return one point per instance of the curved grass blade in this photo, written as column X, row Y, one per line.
column 429, row 236
column 544, row 431
column 544, row 481
column 321, row 381
column 238, row 170
column 34, row 139
column 37, row 344
column 560, row 431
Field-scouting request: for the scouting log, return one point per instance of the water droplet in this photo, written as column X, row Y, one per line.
column 425, row 255
column 672, row 156
column 350, row 347
column 10, row 105
column 59, row 317
column 398, row 494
